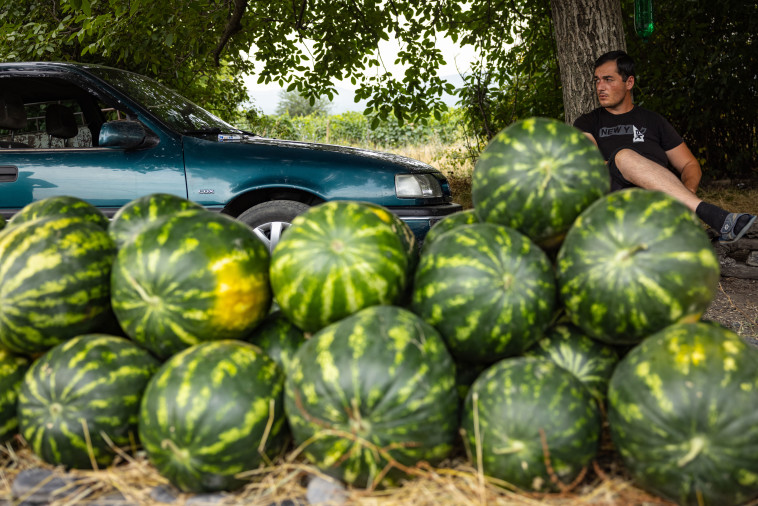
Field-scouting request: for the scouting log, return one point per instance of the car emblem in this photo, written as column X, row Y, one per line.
column 206, row 192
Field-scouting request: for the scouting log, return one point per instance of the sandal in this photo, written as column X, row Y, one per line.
column 727, row 229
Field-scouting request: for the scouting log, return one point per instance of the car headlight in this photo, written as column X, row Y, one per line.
column 417, row 186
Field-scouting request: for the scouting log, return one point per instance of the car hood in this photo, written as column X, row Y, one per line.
column 375, row 157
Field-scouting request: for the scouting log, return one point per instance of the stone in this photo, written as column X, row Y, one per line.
column 321, row 490
column 40, row 486
column 201, row 499
column 113, row 499
column 166, row 494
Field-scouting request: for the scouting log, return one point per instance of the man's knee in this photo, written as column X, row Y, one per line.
column 624, row 157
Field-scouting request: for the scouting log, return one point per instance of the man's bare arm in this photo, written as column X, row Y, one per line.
column 682, row 159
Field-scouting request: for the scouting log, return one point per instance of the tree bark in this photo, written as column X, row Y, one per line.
column 584, row 29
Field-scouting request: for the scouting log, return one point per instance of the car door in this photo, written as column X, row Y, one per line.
column 61, row 156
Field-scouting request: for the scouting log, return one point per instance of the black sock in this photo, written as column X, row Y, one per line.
column 713, row 216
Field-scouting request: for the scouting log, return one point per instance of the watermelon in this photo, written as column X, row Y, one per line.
column 335, row 259
column 278, row 337
column 370, row 396
column 211, row 412
column 82, row 397
column 682, row 415
column 141, row 212
column 449, row 222
column 537, row 176
column 403, row 231
column 12, row 370
column 588, row 359
column 528, row 421
column 633, row 263
column 400, row 227
column 488, row 289
column 2, row 222
column 194, row 276
column 54, row 281
column 60, row 205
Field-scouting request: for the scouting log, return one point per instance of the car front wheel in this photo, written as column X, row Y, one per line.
column 269, row 219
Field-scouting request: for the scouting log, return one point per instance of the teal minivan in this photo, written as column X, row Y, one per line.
column 109, row 136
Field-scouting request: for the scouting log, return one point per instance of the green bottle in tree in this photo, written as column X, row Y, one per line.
column 643, row 18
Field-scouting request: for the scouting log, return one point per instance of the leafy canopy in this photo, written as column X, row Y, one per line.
column 201, row 47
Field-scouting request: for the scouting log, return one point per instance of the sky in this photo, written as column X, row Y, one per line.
column 458, row 60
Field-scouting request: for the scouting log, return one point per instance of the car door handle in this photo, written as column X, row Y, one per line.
column 8, row 173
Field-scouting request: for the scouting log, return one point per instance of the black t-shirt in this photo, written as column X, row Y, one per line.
column 649, row 133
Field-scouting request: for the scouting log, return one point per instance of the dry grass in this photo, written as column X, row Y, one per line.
column 456, row 483
column 454, row 161
column 730, row 197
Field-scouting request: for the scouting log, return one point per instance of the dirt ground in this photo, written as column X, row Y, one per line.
column 736, row 307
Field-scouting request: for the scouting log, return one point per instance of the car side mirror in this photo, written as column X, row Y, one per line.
column 126, row 134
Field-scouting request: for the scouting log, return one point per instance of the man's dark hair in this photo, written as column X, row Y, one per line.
column 624, row 62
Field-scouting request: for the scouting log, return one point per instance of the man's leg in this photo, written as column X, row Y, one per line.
column 645, row 173
column 640, row 171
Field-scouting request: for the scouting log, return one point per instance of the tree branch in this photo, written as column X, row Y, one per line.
column 232, row 27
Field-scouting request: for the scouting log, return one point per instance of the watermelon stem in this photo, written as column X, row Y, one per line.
column 182, row 455
column 515, row 447
column 696, row 446
column 628, row 253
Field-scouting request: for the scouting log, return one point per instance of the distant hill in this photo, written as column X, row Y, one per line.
column 267, row 100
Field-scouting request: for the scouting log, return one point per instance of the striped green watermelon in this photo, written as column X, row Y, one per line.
column 335, row 259
column 488, row 289
column 278, row 337
column 82, row 397
column 194, row 276
column 54, row 281
column 12, row 370
column 60, row 205
column 130, row 219
column 211, row 412
column 403, row 231
column 371, row 395
column 524, row 412
column 537, row 176
column 2, row 222
column 400, row 227
column 633, row 263
column 682, row 414
column 588, row 359
column 449, row 222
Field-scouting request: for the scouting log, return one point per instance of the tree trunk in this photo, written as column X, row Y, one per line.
column 584, row 29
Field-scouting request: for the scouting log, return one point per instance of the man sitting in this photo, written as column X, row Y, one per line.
column 638, row 144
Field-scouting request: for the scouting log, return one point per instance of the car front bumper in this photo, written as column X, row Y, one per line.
column 420, row 219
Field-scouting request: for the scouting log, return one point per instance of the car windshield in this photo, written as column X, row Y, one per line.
column 170, row 107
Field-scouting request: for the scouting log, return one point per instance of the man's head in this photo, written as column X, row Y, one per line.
column 614, row 79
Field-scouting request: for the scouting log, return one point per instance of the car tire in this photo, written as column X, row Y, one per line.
column 269, row 219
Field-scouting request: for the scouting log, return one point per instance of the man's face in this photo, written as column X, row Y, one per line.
column 611, row 89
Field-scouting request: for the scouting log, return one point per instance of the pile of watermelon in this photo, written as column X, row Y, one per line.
column 516, row 332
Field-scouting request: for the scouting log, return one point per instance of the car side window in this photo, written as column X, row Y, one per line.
column 55, row 124
column 49, row 113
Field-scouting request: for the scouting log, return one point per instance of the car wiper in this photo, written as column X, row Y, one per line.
column 205, row 131
column 217, row 131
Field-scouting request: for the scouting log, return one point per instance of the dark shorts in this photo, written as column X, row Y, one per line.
column 617, row 179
